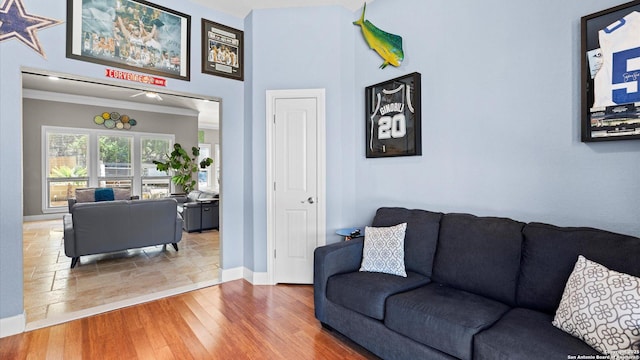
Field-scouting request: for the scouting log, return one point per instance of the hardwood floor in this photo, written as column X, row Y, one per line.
column 233, row 320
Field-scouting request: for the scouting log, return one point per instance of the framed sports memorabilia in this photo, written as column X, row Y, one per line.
column 611, row 74
column 393, row 117
column 222, row 50
column 130, row 34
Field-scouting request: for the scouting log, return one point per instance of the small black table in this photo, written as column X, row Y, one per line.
column 203, row 202
column 351, row 233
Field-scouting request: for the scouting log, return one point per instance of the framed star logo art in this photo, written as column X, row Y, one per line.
column 17, row 23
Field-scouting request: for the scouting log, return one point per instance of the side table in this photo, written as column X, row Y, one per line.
column 203, row 202
column 351, row 233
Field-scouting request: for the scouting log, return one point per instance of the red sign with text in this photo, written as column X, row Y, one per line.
column 129, row 76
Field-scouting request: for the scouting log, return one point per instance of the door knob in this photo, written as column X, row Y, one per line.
column 310, row 200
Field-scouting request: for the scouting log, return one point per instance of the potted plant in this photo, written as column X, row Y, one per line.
column 183, row 166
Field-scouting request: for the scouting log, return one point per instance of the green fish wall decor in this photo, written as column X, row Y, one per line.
column 388, row 46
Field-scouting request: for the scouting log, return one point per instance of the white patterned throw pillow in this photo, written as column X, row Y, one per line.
column 384, row 250
column 601, row 307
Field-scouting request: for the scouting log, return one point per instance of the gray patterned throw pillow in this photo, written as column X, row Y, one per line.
column 601, row 307
column 384, row 250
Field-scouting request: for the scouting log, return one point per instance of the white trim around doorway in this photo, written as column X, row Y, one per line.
column 271, row 96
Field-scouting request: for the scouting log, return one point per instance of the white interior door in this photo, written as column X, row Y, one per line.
column 298, row 226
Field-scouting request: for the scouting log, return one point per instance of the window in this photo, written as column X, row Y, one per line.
column 66, row 166
column 155, row 184
column 88, row 158
column 204, row 175
column 114, row 161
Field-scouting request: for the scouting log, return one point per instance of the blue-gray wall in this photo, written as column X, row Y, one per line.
column 14, row 56
column 500, row 105
column 501, row 113
column 304, row 48
column 501, row 117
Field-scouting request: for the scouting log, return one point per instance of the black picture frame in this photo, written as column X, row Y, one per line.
column 130, row 34
column 607, row 114
column 222, row 50
column 394, row 117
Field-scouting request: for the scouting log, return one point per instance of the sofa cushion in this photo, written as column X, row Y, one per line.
column 193, row 195
column 420, row 239
column 85, row 195
column 549, row 254
column 121, row 194
column 600, row 307
column 480, row 255
column 384, row 250
column 527, row 334
column 367, row 292
column 442, row 317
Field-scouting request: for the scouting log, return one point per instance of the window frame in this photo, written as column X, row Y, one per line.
column 93, row 155
column 131, row 177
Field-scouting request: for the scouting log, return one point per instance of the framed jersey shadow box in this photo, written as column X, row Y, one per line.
column 393, row 117
column 611, row 74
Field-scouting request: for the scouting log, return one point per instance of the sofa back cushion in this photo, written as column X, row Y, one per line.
column 421, row 236
column 193, row 195
column 550, row 252
column 122, row 193
column 480, row 255
column 85, row 195
column 89, row 194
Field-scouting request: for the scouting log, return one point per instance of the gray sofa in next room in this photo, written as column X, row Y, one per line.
column 108, row 226
column 476, row 288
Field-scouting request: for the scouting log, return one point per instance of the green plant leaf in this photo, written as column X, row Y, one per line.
column 183, row 166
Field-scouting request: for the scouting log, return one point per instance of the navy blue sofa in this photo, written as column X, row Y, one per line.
column 476, row 287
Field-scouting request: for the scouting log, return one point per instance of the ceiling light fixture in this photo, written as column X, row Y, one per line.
column 149, row 94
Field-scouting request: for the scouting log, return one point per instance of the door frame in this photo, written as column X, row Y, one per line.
column 271, row 96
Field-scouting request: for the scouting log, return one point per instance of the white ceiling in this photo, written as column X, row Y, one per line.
column 241, row 8
column 208, row 110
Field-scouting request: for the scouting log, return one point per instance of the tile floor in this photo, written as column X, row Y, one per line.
column 52, row 289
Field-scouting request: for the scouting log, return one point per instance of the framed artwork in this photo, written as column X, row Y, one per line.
column 135, row 35
column 611, row 74
column 222, row 50
column 393, row 117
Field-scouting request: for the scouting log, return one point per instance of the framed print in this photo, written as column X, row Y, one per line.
column 611, row 74
column 135, row 35
column 393, row 116
column 222, row 50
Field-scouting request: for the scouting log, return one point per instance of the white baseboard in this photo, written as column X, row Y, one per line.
column 246, row 274
column 12, row 325
column 231, row 274
column 256, row 278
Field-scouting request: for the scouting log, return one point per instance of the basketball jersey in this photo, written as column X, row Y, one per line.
column 617, row 80
column 392, row 121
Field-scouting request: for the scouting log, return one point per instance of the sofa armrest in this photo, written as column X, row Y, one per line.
column 69, row 235
column 329, row 260
column 70, row 203
column 191, row 204
column 180, row 198
column 178, row 233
